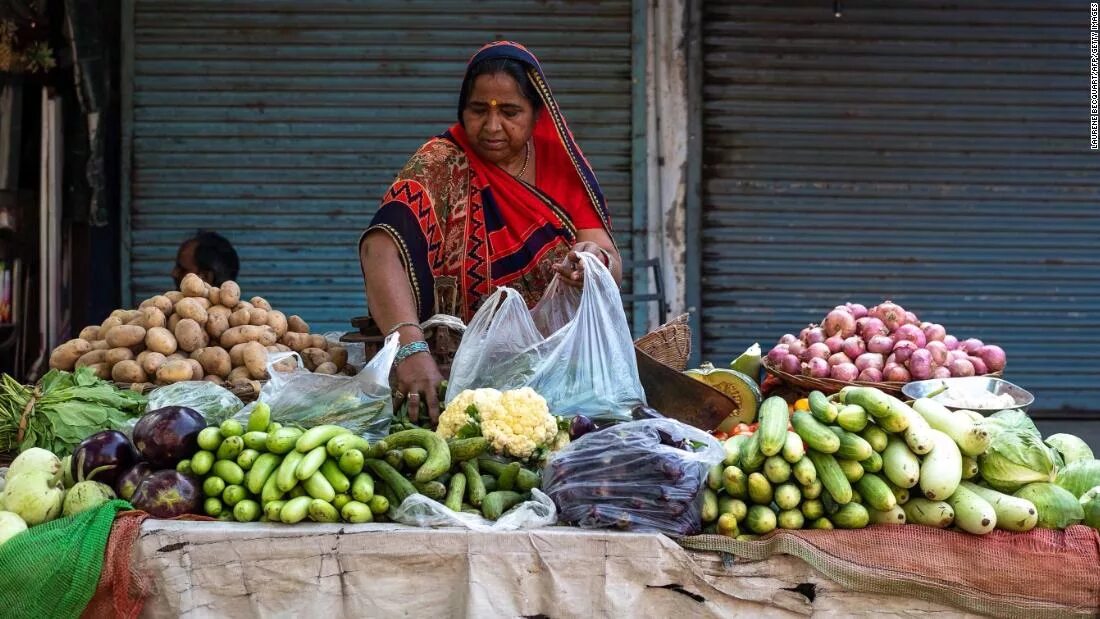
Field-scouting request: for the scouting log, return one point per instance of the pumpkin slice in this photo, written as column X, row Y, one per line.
column 748, row 362
column 737, row 386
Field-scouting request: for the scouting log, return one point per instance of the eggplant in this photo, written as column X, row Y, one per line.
column 167, row 435
column 579, row 426
column 103, row 456
column 128, row 482
column 168, row 494
column 642, row 411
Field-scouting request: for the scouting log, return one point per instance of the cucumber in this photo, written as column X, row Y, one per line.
column 229, row 472
column 735, row 482
column 852, row 446
column 362, row 488
column 401, row 487
column 259, row 419
column 202, row 462
column 973, row 514
column 395, row 459
column 777, row 470
column 317, row 436
column 733, row 446
column 884, row 408
column 432, row 489
column 969, row 467
column 245, row 459
column 822, row 523
column 356, row 512
column 974, row 416
column 831, row 475
column 528, row 480
column 901, row 494
column 941, row 470
column 282, row 441
column 727, row 525
column 340, row 501
column 929, row 513
column 231, row 447
column 793, row 449
column 246, row 510
column 760, row 491
column 709, row 513
column 351, row 462
column 734, row 507
column 319, row 488
column 255, row 440
column 857, row 497
column 210, row 438
column 876, row 494
column 310, row 463
column 467, row 448
column 812, row 509
column 787, row 496
column 270, row 491
column 817, row 436
column 852, row 418
column 496, row 503
column 900, row 465
column 322, row 511
column 379, row 505
column 337, row 445
column 212, row 506
column 895, row 515
column 231, row 427
column 184, row 466
column 851, row 516
column 525, row 480
column 489, row 482
column 285, row 476
column 918, row 436
column 804, row 472
column 234, row 494
column 474, row 484
column 264, row 466
column 760, row 519
column 853, row 470
column 876, row 437
column 772, row 428
column 1013, row 513
column 414, row 457
column 821, row 408
column 507, row 478
column 872, row 464
column 714, row 476
column 335, row 477
column 439, row 454
column 213, row 486
column 813, row 490
column 971, row 438
column 272, row 510
column 751, row 456
column 790, row 519
column 455, row 492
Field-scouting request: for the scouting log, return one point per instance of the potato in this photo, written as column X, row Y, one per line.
column 296, row 341
column 327, row 367
column 152, row 317
column 286, row 365
column 314, row 357
column 257, row 317
column 217, row 380
column 283, row 348
column 174, row 296
column 318, row 341
column 203, row 301
column 110, row 323
column 118, row 313
column 174, row 371
column 215, row 295
column 260, row 302
column 248, row 333
column 192, row 309
column 255, row 359
column 244, row 305
column 173, row 320
column 102, row 370
column 90, row 334
column 190, row 336
column 297, row 325
column 160, row 340
column 151, row 362
column 214, row 359
column 219, row 310
column 238, row 375
column 161, row 302
column 193, row 286
column 91, row 358
column 128, row 371
column 196, row 369
column 240, row 318
column 101, row 345
column 129, row 316
column 177, row 356
column 230, row 293
column 277, row 320
column 125, row 336
column 236, row 355
column 118, row 355
column 217, row 324
column 339, row 355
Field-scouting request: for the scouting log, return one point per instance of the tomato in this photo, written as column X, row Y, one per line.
column 718, row 434
column 802, row 404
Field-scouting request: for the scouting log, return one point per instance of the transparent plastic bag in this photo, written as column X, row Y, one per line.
column 357, row 355
column 360, row 403
column 574, row 348
column 644, row 475
column 216, row 403
column 420, row 511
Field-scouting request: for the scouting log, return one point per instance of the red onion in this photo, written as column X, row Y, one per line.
column 873, row 327
column 920, row 364
column 870, row 375
column 840, row 322
column 911, row 333
column 844, row 371
column 993, row 356
column 891, row 360
column 933, row 332
column 941, row 372
column 903, row 350
column 956, row 354
column 961, row 367
column 911, row 318
column 814, row 335
column 787, row 338
column 972, row 345
column 804, row 332
column 791, row 365
column 854, row 347
column 951, row 342
column 871, row 360
column 796, row 348
column 891, row 314
column 980, row 368
column 858, row 310
column 775, row 355
column 817, row 368
column 881, row 344
column 816, row 350
column 939, row 352
column 835, row 343
column 838, row 358
column 896, row 374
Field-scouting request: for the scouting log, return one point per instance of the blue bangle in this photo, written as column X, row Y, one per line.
column 409, row 350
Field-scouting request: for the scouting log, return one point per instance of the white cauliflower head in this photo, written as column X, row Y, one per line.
column 457, row 414
column 521, row 425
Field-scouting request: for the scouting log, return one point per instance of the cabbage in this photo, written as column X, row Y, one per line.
column 1071, row 448
column 1079, row 477
column 1017, row 455
column 1057, row 508
column 1090, row 503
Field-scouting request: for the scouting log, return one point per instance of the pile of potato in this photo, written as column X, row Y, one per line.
column 199, row 332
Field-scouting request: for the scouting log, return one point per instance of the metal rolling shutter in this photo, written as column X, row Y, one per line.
column 933, row 153
column 279, row 124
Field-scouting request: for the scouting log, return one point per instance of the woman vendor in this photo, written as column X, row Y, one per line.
column 503, row 198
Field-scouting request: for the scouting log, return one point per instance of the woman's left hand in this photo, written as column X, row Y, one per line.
column 571, row 269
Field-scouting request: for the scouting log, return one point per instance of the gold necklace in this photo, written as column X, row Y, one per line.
column 526, row 159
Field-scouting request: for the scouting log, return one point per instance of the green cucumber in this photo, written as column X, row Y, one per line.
column 759, row 489
column 507, row 479
column 229, row 471
column 734, row 507
column 929, row 513
column 812, row 509
column 210, row 438
column 831, row 475
column 973, row 514
column 525, row 480
column 900, row 465
column 259, row 419
column 285, row 476
column 761, row 519
column 793, row 449
column 317, row 436
column 821, row 408
column 972, row 439
column 822, row 523
column 414, row 457
column 876, row 437
column 918, row 435
column 467, row 448
column 439, row 454
column 852, row 446
column 337, row 445
column 804, row 471
column 319, row 488
column 813, row 490
column 1013, row 513
column 852, row 418
column 231, row 447
column 733, row 447
column 474, row 484
column 787, row 496
column 401, row 487
column 246, row 459
column 894, row 515
column 714, row 476
column 202, row 462
column 883, row 407
column 751, row 456
column 231, row 427
column 335, row 477
column 969, row 467
column 255, row 440
column 246, row 510
column 790, row 519
column 270, row 491
column 851, row 516
column 872, row 464
column 431, row 489
column 852, row 469
column 772, row 428
column 709, row 512
column 817, row 436
column 735, row 482
column 356, row 512
column 282, row 441
column 455, row 492
column 362, row 488
column 496, row 503
column 351, row 462
column 776, row 469
column 322, row 511
column 310, row 463
column 941, row 470
column 265, row 466
column 876, row 494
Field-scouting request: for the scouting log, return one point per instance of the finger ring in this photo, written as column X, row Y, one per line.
column 398, row 395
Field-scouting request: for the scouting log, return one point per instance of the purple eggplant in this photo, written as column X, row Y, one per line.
column 128, row 482
column 103, row 457
column 167, row 494
column 642, row 411
column 167, row 435
column 579, row 426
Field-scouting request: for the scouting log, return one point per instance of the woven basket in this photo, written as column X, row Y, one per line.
column 831, row 385
column 669, row 343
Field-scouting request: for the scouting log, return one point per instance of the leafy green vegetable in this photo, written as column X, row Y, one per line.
column 1057, row 508
column 1071, row 448
column 1079, row 477
column 68, row 407
column 1017, row 455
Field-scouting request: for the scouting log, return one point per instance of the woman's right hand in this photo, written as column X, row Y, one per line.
column 418, row 377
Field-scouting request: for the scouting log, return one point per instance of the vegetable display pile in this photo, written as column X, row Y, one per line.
column 884, row 343
column 199, row 332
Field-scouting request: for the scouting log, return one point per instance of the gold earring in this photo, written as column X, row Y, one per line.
column 492, row 102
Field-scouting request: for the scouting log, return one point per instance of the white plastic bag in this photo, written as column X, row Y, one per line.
column 216, row 403
column 360, row 403
column 574, row 348
column 419, row 511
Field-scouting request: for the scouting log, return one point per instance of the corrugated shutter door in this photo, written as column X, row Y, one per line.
column 936, row 154
column 279, row 124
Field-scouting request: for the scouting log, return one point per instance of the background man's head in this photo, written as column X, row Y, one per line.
column 210, row 256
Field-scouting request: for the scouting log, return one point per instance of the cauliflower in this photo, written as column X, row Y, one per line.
column 516, row 423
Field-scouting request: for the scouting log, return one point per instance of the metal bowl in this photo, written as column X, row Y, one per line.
column 971, row 386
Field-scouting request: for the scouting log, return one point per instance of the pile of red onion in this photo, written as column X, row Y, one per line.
column 884, row 343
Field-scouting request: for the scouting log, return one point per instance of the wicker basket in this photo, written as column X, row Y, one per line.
column 669, row 343
column 831, row 385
